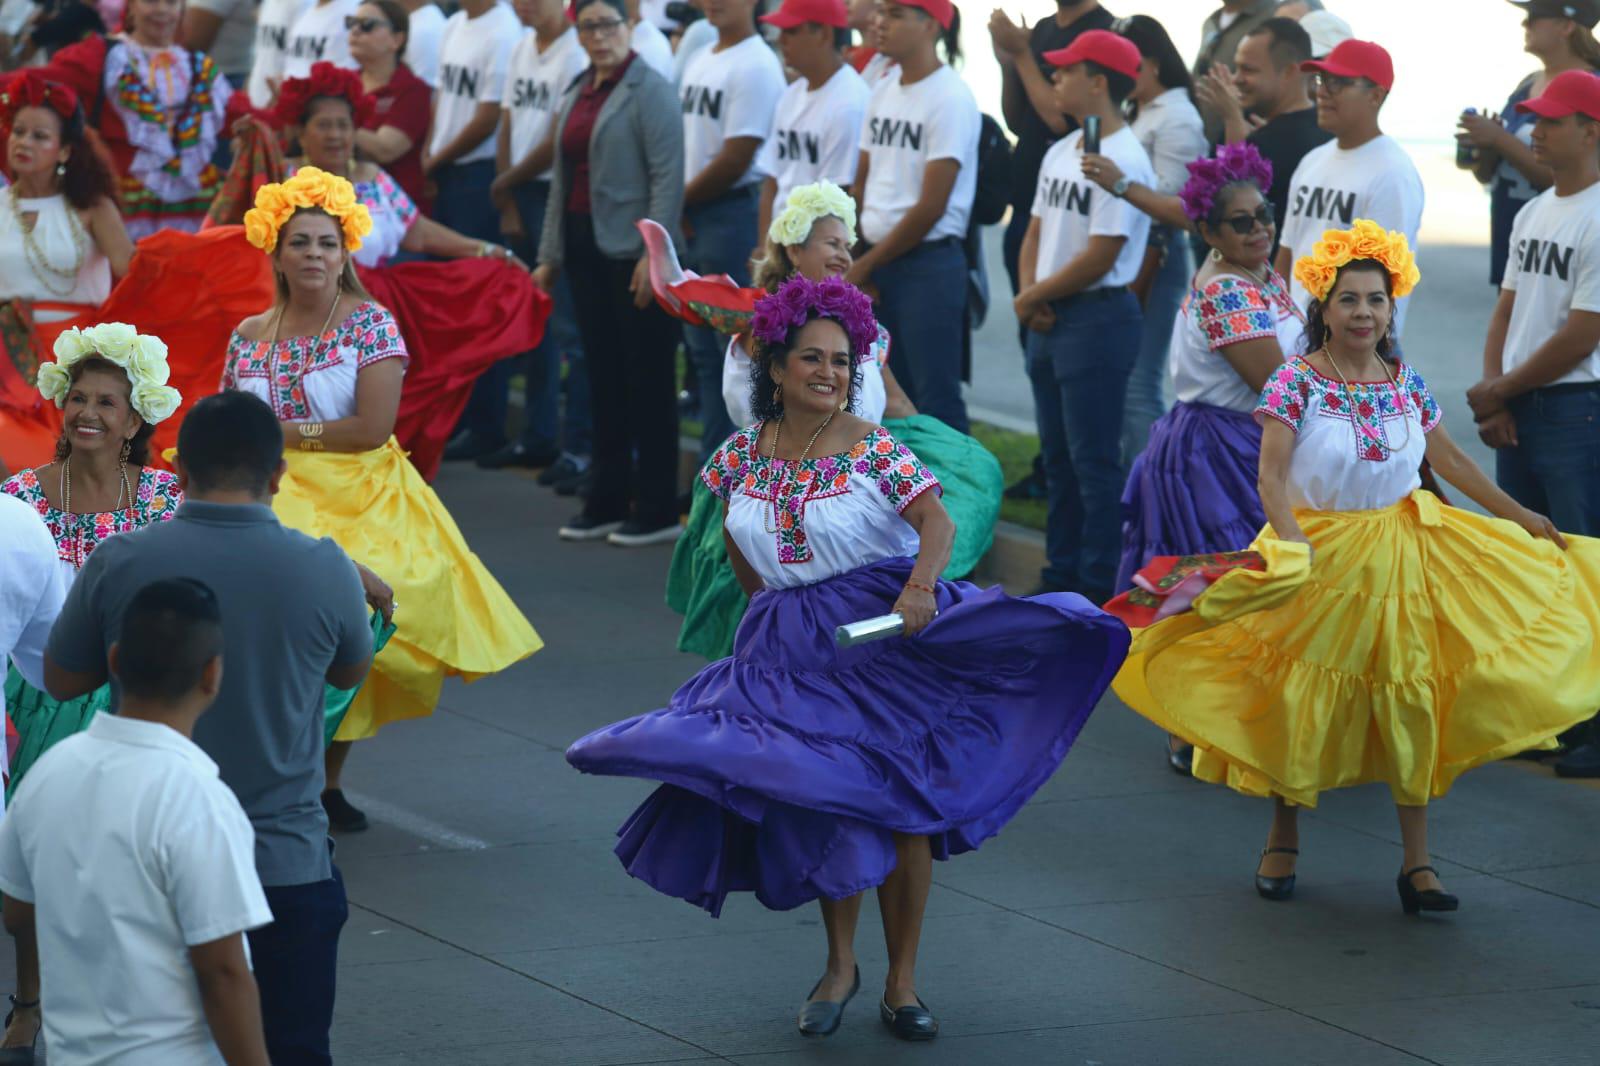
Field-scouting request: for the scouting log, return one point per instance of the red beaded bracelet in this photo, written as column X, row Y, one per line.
column 919, row 585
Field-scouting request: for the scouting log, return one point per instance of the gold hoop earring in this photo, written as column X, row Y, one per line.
column 1216, row 255
column 127, row 450
column 777, row 395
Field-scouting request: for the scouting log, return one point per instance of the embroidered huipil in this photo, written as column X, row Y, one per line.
column 1226, row 310
column 1356, row 448
column 313, row 379
column 155, row 499
column 830, row 514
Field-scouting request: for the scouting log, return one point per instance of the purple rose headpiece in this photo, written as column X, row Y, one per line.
column 800, row 299
column 1233, row 162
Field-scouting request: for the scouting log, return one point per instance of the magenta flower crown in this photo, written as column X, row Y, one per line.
column 1233, row 162
column 799, row 300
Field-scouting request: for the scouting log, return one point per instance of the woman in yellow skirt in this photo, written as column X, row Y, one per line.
column 330, row 361
column 1390, row 638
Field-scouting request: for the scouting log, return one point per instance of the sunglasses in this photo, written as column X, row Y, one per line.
column 364, row 25
column 1244, row 224
column 599, row 27
column 1333, row 84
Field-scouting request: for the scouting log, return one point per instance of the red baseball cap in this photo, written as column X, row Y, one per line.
column 1572, row 92
column 1110, row 50
column 799, row 12
column 1356, row 59
column 941, row 11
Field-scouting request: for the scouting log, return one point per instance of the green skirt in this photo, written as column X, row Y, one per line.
column 42, row 721
column 701, row 585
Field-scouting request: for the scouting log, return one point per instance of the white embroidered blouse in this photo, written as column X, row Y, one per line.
column 313, row 379
column 798, row 523
column 1226, row 310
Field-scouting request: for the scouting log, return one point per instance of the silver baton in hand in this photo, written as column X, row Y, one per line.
column 869, row 629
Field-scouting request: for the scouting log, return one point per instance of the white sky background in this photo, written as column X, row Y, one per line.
column 1448, row 55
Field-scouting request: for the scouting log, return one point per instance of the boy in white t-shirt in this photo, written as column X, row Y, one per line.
column 424, row 32
column 1361, row 173
column 474, row 55
column 318, row 35
column 543, row 64
column 274, row 21
column 728, row 95
column 144, row 962
column 1083, row 247
column 816, row 129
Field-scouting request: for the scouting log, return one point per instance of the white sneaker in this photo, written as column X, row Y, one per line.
column 638, row 535
column 585, row 528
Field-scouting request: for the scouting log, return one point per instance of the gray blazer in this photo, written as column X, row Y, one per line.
column 635, row 165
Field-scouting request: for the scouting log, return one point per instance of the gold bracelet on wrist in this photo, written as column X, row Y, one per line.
column 311, row 436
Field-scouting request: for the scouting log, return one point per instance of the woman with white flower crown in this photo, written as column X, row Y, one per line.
column 330, row 360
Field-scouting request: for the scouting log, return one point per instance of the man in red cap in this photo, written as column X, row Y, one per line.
column 1083, row 248
column 816, row 130
column 1361, row 173
column 1538, row 404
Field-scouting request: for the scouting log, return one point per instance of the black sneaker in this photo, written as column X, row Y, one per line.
column 563, row 469
column 341, row 815
column 468, row 445
column 577, row 485
column 518, row 454
column 584, row 527
column 644, row 534
column 1582, row 761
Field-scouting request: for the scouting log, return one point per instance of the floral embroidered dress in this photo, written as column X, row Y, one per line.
column 40, row 720
column 453, row 618
column 1193, row 489
column 1414, row 642
column 788, row 767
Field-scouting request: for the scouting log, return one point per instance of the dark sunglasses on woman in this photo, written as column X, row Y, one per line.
column 1243, row 224
column 364, row 25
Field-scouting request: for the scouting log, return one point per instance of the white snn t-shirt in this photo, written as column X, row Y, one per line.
column 1331, row 188
column 173, row 861
column 1071, row 208
column 473, row 58
column 232, row 47
column 425, row 32
column 908, row 127
column 652, row 46
column 1554, row 268
column 274, row 19
column 534, row 87
column 727, row 93
column 815, row 134
column 317, row 36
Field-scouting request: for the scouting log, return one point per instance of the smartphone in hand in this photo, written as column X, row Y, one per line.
column 1091, row 135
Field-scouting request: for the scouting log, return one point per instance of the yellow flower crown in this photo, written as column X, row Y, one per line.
column 277, row 202
column 1365, row 240
column 805, row 205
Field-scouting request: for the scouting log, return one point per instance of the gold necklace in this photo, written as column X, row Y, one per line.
column 124, row 491
column 772, row 453
column 42, row 268
column 1355, row 414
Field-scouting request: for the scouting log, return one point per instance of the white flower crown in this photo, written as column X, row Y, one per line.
column 805, row 205
column 143, row 358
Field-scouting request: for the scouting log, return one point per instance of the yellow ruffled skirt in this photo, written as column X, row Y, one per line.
column 1418, row 642
column 452, row 617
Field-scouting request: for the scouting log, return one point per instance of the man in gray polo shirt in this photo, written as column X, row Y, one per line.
column 294, row 617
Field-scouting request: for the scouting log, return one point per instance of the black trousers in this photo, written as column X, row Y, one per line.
column 632, row 391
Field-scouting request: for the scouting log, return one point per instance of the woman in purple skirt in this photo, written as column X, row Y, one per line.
column 799, row 770
column 1192, row 491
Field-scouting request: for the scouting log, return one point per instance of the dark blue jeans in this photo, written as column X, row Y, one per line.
column 922, row 302
column 1079, row 371
column 1146, row 385
column 724, row 236
column 464, row 206
column 295, row 960
column 543, row 425
column 1555, row 467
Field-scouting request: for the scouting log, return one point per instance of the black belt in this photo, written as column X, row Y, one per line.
column 865, row 245
column 1105, row 292
column 1570, row 388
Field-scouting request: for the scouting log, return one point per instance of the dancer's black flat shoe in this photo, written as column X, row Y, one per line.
column 1275, row 887
column 821, row 1017
column 1181, row 759
column 1413, row 899
column 909, row 1023
column 21, row 1056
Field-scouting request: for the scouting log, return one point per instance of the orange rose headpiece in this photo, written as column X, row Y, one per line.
column 1365, row 240
column 277, row 202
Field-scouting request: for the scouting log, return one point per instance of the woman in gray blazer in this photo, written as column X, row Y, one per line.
column 619, row 158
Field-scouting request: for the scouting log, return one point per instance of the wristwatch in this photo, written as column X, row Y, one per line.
column 1119, row 188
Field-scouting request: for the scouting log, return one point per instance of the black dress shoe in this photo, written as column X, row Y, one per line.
column 1181, row 759
column 469, row 445
column 821, row 1017
column 1581, row 761
column 576, row 486
column 342, row 815
column 561, row 470
column 518, row 454
column 1275, row 887
column 1413, row 900
column 909, row 1023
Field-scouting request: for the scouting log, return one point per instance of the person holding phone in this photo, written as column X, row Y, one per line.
column 1083, row 248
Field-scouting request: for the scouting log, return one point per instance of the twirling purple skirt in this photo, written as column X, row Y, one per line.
column 789, row 766
column 1193, row 489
